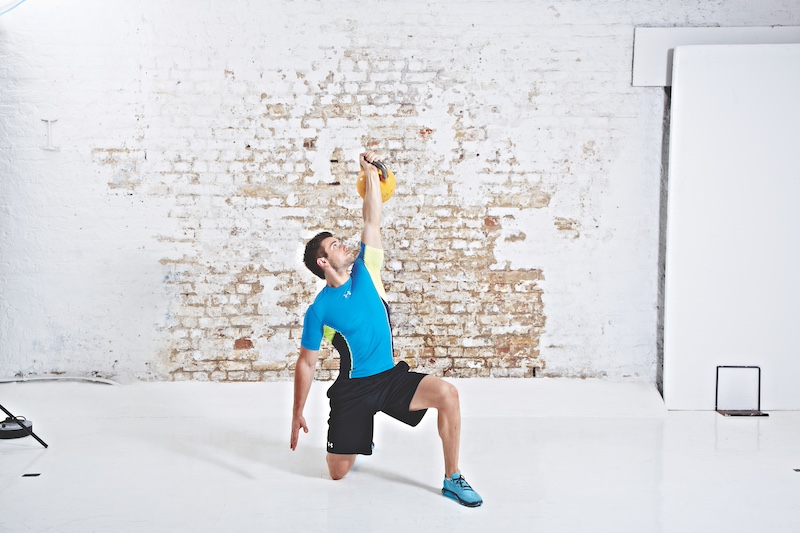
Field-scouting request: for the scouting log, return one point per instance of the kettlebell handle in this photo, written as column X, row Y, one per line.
column 380, row 166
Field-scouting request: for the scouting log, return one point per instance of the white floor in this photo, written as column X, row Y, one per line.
column 547, row 456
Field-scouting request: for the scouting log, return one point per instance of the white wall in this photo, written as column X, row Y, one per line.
column 733, row 240
column 114, row 248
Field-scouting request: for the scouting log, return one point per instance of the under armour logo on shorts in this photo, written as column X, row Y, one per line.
column 330, row 445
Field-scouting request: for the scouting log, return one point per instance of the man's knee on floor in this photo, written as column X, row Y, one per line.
column 337, row 474
column 338, row 467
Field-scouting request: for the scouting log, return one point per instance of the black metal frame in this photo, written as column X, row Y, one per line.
column 28, row 430
column 739, row 412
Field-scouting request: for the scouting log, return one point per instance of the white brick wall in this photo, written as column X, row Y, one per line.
column 194, row 157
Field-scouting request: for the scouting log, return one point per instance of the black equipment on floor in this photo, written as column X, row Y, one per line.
column 739, row 412
column 15, row 427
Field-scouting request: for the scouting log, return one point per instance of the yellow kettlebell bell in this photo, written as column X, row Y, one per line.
column 386, row 179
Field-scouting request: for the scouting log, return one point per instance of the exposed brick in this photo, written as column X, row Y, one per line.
column 243, row 344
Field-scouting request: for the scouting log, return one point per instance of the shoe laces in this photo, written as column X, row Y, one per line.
column 461, row 482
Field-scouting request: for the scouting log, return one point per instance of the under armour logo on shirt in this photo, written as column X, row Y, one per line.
column 347, row 294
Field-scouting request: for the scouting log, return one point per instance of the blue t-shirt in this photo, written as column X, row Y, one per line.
column 355, row 319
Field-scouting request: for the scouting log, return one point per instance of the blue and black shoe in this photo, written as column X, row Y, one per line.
column 459, row 490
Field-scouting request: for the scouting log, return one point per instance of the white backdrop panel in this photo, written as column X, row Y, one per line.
column 733, row 222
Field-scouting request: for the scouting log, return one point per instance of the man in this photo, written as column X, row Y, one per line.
column 352, row 313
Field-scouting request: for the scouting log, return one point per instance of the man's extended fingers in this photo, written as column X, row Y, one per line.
column 296, row 433
column 295, row 438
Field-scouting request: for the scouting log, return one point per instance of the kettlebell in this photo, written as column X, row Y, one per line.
column 387, row 181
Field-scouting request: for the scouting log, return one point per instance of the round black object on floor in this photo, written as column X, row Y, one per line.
column 10, row 428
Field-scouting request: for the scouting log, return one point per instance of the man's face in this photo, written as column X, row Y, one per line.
column 338, row 255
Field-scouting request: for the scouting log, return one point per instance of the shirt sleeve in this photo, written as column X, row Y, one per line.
column 373, row 261
column 312, row 331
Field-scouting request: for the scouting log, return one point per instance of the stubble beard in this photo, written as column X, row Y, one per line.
column 346, row 263
column 350, row 259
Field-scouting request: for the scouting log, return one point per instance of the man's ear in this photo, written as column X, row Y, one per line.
column 322, row 262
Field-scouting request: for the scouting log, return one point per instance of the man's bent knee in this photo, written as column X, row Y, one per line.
column 339, row 465
column 435, row 393
column 452, row 393
column 448, row 396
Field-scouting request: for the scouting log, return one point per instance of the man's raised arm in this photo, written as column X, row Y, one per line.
column 373, row 203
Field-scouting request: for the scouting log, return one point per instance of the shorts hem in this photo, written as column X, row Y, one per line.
column 349, row 453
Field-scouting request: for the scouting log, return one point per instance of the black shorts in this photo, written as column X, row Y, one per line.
column 354, row 403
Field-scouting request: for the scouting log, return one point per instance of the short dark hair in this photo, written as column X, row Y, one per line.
column 314, row 251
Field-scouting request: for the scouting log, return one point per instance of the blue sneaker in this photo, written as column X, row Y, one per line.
column 459, row 490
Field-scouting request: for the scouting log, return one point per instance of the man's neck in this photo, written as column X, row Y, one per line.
column 336, row 280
